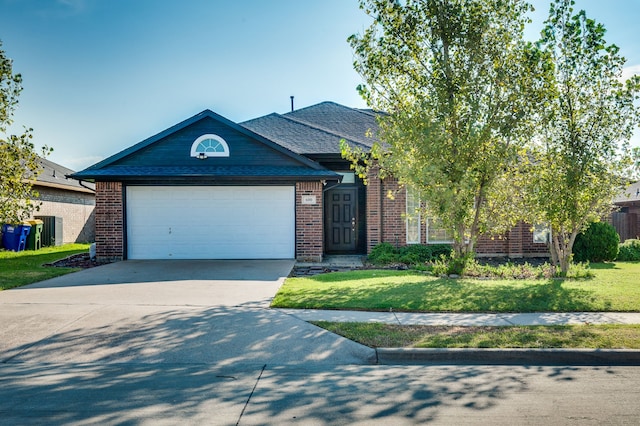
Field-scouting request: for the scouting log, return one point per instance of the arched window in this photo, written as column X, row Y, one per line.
column 209, row 146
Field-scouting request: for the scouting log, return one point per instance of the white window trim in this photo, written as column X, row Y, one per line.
column 413, row 215
column 194, row 147
column 430, row 241
column 540, row 229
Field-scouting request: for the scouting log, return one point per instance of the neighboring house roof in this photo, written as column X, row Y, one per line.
column 53, row 175
column 631, row 194
column 318, row 129
column 167, row 155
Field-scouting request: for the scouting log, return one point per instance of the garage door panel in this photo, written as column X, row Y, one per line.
column 210, row 222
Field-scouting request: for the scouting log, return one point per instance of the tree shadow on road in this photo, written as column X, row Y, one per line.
column 192, row 365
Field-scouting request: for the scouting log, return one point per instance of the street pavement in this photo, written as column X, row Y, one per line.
column 194, row 342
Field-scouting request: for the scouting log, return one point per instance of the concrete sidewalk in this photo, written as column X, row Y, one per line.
column 461, row 319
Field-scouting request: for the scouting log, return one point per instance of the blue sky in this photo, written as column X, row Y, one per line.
column 101, row 75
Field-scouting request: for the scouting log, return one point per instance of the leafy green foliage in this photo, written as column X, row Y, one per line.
column 582, row 150
column 385, row 253
column 459, row 89
column 20, row 163
column 525, row 271
column 598, row 243
column 629, row 251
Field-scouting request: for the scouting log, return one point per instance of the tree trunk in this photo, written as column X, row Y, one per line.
column 562, row 250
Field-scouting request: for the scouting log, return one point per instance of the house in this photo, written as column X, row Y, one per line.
column 271, row 187
column 626, row 219
column 69, row 200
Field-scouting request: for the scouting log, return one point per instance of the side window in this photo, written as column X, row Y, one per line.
column 437, row 233
column 412, row 217
column 541, row 234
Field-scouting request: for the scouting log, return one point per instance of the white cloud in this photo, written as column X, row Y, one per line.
column 629, row 71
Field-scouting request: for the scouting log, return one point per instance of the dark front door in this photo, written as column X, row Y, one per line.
column 341, row 214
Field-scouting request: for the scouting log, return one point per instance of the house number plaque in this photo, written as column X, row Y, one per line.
column 308, row 199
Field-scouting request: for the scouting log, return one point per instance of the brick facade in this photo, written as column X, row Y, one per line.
column 309, row 224
column 109, row 221
column 394, row 206
column 386, row 223
column 75, row 208
column 517, row 243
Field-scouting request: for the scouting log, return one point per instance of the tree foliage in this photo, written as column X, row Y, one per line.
column 458, row 88
column 582, row 151
column 18, row 159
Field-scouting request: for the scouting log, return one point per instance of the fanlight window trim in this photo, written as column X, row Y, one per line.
column 209, row 145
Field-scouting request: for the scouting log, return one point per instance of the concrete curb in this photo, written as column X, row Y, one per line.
column 508, row 356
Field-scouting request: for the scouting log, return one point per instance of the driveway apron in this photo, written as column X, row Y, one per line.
column 176, row 311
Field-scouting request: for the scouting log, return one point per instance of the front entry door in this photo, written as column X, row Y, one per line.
column 341, row 214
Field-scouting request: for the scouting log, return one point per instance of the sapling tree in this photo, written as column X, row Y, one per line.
column 458, row 88
column 580, row 157
column 19, row 163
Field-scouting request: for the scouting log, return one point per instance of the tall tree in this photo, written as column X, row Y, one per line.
column 458, row 86
column 19, row 163
column 583, row 149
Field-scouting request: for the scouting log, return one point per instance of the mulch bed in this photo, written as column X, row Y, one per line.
column 81, row 260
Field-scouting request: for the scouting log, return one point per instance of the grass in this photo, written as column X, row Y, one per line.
column 25, row 267
column 614, row 287
column 571, row 336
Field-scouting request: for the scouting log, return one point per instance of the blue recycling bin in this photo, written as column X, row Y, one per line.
column 14, row 237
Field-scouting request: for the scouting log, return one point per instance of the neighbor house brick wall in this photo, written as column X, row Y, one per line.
column 75, row 208
column 309, row 227
column 109, row 221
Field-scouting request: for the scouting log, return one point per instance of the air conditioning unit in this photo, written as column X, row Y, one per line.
column 51, row 230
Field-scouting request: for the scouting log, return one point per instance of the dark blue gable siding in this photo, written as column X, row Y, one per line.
column 175, row 149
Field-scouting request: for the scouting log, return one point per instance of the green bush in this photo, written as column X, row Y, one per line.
column 629, row 251
column 598, row 243
column 438, row 250
column 383, row 253
column 451, row 265
column 413, row 254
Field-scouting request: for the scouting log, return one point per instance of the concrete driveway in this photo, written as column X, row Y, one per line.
column 165, row 312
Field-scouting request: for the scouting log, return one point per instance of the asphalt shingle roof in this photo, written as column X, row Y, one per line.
column 630, row 194
column 319, row 128
column 55, row 175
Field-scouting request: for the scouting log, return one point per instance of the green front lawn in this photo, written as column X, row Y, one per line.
column 570, row 336
column 25, row 267
column 615, row 287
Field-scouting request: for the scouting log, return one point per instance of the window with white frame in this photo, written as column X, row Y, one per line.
column 541, row 234
column 209, row 146
column 412, row 217
column 437, row 233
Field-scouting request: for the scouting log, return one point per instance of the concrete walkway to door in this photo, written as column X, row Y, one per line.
column 165, row 311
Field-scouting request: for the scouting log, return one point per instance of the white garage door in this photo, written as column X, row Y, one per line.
column 204, row 222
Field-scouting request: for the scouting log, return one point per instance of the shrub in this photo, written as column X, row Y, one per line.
column 415, row 253
column 598, row 243
column 448, row 265
column 629, row 251
column 438, row 250
column 383, row 254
